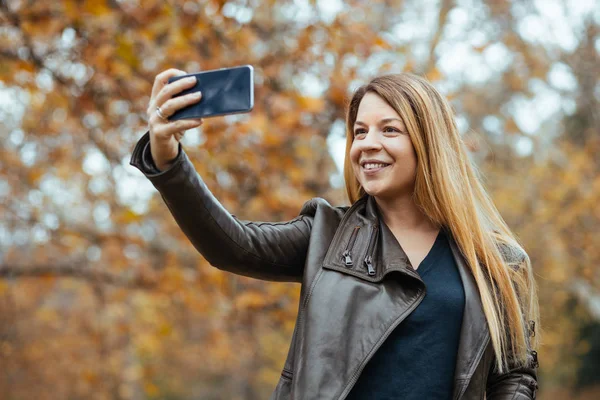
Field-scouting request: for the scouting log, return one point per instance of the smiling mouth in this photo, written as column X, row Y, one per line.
column 374, row 166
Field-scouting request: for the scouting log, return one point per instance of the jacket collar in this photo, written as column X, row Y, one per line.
column 391, row 253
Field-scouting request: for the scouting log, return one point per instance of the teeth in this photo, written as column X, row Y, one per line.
column 373, row 166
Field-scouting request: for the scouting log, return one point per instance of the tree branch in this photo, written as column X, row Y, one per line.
column 445, row 7
column 38, row 61
column 77, row 271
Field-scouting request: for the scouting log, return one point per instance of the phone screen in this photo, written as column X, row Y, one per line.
column 224, row 91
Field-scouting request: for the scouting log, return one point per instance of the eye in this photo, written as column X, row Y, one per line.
column 359, row 131
column 389, row 129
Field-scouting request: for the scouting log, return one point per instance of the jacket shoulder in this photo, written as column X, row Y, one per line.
column 315, row 204
column 513, row 255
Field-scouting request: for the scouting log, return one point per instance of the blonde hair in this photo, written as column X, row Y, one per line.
column 450, row 193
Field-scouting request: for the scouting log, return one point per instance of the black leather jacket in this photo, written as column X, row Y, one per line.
column 328, row 353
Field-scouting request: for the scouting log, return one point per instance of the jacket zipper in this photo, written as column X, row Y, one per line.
column 320, row 273
column 347, row 254
column 354, row 378
column 531, row 328
column 370, row 249
column 287, row 374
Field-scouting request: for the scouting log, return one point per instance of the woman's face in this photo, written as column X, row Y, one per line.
column 382, row 154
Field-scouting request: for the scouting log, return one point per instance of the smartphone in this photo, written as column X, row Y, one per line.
column 224, row 91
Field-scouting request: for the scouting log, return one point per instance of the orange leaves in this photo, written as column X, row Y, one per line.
column 165, row 329
column 125, row 50
column 434, row 74
column 337, row 94
column 71, row 8
column 481, row 48
column 286, row 122
column 258, row 122
column 127, row 216
column 310, row 104
column 178, row 44
column 194, row 319
column 95, row 8
column 47, row 315
column 251, row 300
column 41, row 27
column 304, row 41
column 515, row 82
column 151, row 389
column 382, row 43
column 22, row 65
column 511, row 126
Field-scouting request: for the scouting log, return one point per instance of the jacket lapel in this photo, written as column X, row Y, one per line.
column 474, row 335
column 474, row 331
column 392, row 256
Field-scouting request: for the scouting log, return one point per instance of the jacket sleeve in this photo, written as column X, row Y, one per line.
column 517, row 383
column 520, row 381
column 265, row 250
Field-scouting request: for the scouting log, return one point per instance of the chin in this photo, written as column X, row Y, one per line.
column 375, row 191
column 385, row 192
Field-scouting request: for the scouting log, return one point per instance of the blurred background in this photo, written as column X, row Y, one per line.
column 102, row 296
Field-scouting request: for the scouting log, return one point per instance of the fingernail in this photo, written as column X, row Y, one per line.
column 198, row 94
column 191, row 79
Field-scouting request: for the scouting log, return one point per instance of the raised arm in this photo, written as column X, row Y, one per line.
column 272, row 251
column 265, row 250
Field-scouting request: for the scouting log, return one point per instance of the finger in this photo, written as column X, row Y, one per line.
column 200, row 121
column 179, row 135
column 162, row 128
column 172, row 89
column 177, row 126
column 164, row 132
column 172, row 105
column 163, row 78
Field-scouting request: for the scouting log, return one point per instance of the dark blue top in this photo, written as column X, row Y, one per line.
column 417, row 360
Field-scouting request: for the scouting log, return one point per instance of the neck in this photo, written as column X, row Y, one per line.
column 403, row 214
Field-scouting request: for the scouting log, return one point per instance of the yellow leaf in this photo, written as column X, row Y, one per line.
column 47, row 314
column 165, row 329
column 126, row 51
column 251, row 300
column 71, row 9
column 480, row 49
column 96, row 7
column 434, row 74
column 311, row 104
column 151, row 389
column 511, row 126
column 381, row 42
column 128, row 216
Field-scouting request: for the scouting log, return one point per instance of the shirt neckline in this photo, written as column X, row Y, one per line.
column 436, row 249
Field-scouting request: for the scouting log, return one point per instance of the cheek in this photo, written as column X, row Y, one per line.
column 411, row 159
column 354, row 154
column 404, row 150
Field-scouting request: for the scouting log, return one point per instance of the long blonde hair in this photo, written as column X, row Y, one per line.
column 450, row 193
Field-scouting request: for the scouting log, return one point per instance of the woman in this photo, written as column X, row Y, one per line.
column 417, row 291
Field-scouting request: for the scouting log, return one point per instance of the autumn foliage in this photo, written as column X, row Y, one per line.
column 101, row 294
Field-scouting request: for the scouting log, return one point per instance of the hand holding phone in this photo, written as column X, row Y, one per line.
column 224, row 91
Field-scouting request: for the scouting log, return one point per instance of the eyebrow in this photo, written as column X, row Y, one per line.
column 383, row 121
